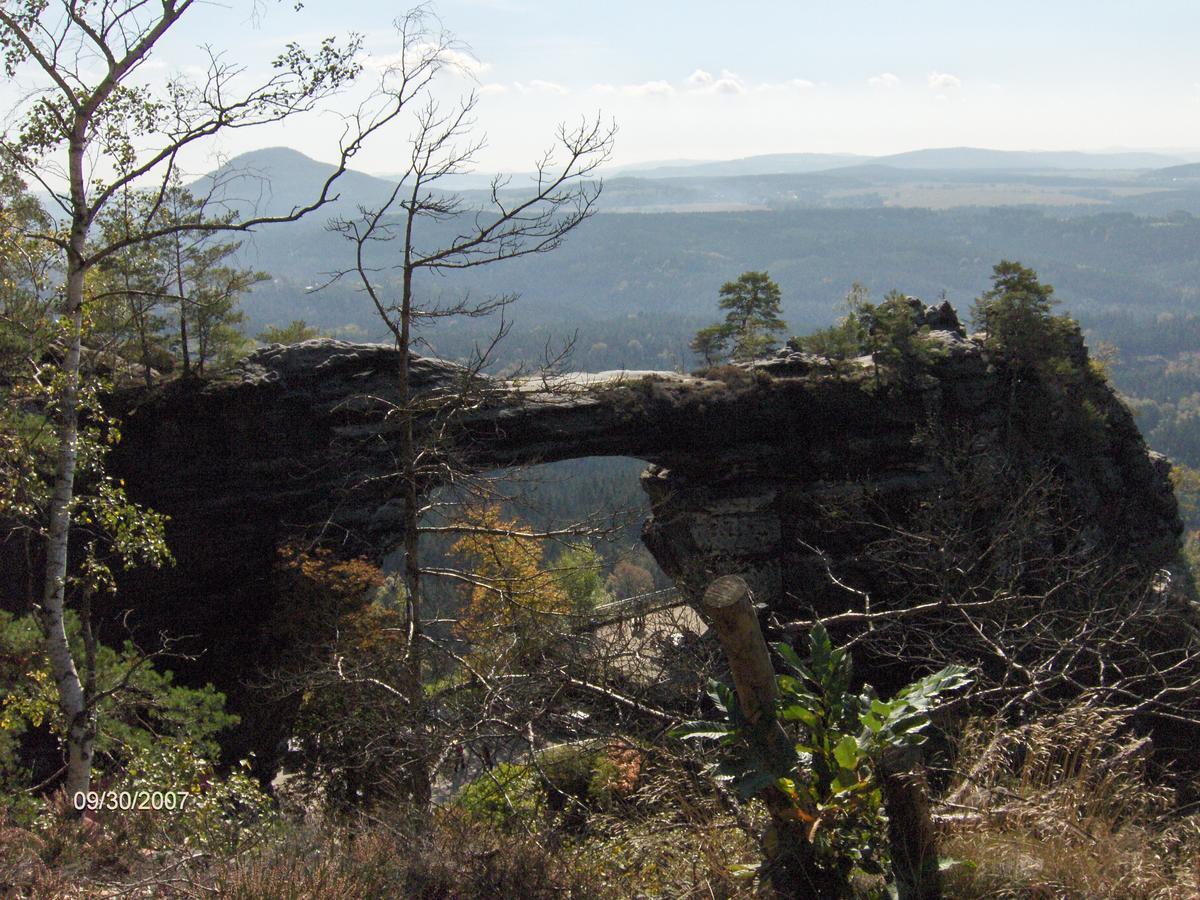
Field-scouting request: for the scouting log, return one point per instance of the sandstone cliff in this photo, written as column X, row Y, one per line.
column 769, row 469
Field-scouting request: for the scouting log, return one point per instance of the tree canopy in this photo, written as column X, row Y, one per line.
column 1016, row 317
column 752, row 323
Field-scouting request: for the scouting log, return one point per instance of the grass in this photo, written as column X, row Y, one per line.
column 1067, row 806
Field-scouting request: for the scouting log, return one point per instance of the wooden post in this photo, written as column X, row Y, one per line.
column 910, row 828
column 727, row 602
column 791, row 866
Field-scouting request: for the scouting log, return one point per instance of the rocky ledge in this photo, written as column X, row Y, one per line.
column 743, row 461
column 784, row 470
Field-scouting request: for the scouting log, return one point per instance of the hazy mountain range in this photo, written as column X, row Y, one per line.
column 661, row 246
column 943, row 158
column 275, row 180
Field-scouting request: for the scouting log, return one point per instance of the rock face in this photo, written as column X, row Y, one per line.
column 745, row 464
column 301, row 437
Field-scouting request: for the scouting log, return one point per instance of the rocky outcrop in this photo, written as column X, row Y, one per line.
column 302, row 438
column 747, row 466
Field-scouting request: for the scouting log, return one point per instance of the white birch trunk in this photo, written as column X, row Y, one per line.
column 72, row 699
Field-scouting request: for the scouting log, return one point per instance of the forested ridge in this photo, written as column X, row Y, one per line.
column 634, row 292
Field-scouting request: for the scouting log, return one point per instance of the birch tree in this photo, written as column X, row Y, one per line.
column 89, row 129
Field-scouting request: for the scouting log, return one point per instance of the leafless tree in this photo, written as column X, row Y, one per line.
column 391, row 249
column 1000, row 574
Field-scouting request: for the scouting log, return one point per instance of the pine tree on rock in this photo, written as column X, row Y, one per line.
column 752, row 320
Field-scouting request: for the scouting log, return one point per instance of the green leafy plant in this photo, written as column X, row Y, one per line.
column 144, row 711
column 509, row 793
column 839, row 738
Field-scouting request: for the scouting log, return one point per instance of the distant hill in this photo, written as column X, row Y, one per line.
column 946, row 158
column 1171, row 174
column 767, row 164
column 977, row 158
column 275, row 180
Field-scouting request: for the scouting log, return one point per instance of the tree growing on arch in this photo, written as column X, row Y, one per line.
column 752, row 323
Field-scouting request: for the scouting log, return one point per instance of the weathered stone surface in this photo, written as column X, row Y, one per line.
column 302, row 436
column 301, row 441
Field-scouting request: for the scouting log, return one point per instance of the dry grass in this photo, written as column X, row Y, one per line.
column 454, row 858
column 674, row 838
column 1063, row 807
column 662, row 833
column 1066, row 807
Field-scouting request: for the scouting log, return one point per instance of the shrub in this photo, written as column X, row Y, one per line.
column 563, row 784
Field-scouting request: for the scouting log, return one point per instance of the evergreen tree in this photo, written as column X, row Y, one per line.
column 753, row 314
column 711, row 344
column 1017, row 318
column 752, row 320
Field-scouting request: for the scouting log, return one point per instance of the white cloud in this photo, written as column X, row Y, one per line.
column 940, row 81
column 456, row 60
column 493, row 88
column 701, row 82
column 537, row 86
column 884, row 80
column 792, row 84
column 728, row 83
column 649, row 88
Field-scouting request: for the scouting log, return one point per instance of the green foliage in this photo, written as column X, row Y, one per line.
column 578, row 570
column 561, row 784
column 1016, row 318
column 295, row 332
column 142, row 710
column 711, row 344
column 175, row 294
column 110, row 529
column 1055, row 397
column 508, row 793
column 1186, row 482
column 890, row 332
column 895, row 340
column 155, row 736
column 845, row 339
column 752, row 320
column 839, row 738
column 223, row 812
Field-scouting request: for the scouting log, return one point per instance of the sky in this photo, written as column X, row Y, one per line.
column 720, row 80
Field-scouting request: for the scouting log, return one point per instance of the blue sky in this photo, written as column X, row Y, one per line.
column 710, row 80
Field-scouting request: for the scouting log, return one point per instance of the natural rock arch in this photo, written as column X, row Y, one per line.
column 742, row 466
